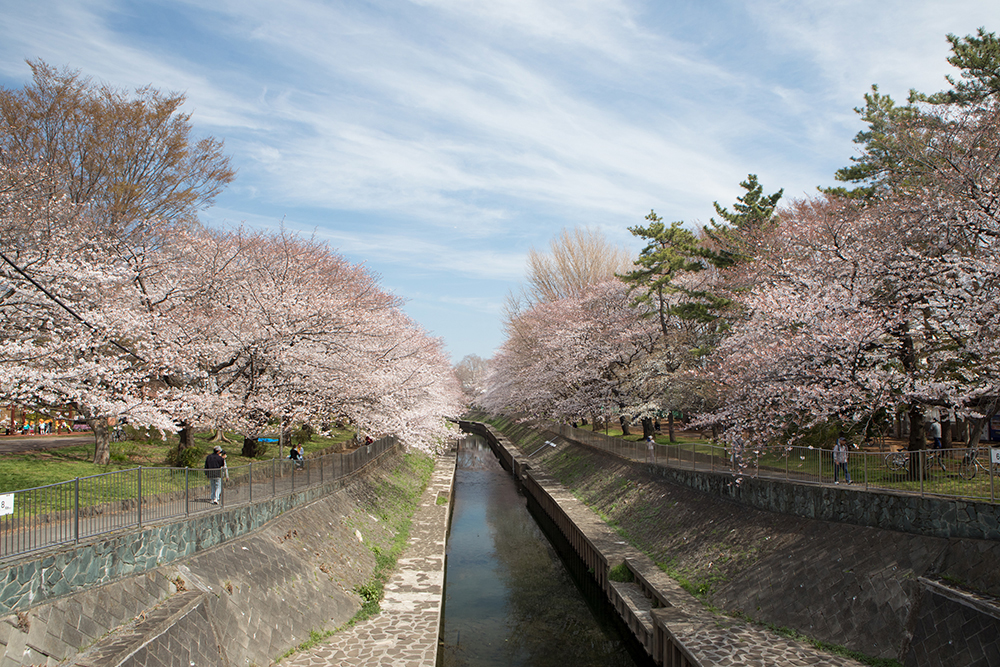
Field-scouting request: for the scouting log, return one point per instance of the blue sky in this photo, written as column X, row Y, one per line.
column 437, row 141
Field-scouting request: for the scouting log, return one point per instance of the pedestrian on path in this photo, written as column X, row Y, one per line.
column 840, row 460
column 650, row 451
column 296, row 455
column 214, row 463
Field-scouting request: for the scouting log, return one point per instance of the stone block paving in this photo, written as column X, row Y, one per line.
column 405, row 633
column 721, row 645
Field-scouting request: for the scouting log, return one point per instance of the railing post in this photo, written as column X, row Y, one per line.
column 139, row 499
column 274, row 488
column 187, row 492
column 920, row 467
column 76, row 511
column 865, row 458
column 250, row 483
column 990, row 459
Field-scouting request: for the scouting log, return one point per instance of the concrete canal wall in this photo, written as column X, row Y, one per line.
column 918, row 598
column 236, row 587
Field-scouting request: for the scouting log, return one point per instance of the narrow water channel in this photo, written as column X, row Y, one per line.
column 510, row 598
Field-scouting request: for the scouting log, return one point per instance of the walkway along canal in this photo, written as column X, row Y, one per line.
column 512, row 596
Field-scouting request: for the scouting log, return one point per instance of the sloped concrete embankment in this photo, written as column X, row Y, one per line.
column 244, row 602
column 885, row 593
column 670, row 624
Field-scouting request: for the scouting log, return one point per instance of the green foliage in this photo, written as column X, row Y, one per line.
column 898, row 144
column 978, row 58
column 123, row 452
column 398, row 498
column 621, row 572
column 304, row 434
column 186, row 457
column 736, row 238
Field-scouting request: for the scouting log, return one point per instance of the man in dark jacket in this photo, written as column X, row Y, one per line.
column 213, row 470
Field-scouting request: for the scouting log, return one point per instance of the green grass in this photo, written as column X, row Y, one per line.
column 40, row 468
column 398, row 497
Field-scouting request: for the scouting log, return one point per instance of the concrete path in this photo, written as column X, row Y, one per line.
column 10, row 444
column 405, row 634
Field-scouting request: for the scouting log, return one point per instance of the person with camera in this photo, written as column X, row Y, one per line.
column 214, row 463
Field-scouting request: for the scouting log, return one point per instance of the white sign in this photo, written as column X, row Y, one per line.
column 995, row 454
column 6, row 503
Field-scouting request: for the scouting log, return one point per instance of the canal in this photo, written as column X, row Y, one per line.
column 515, row 593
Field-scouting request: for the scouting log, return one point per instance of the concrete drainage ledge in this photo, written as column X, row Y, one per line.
column 670, row 623
column 150, row 636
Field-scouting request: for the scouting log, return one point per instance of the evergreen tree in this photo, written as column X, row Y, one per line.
column 736, row 238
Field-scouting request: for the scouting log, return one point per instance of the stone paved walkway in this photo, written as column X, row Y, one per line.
column 405, row 634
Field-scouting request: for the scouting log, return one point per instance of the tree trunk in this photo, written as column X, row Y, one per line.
column 284, row 437
column 102, row 440
column 647, row 428
column 946, row 437
column 220, row 436
column 917, row 439
column 670, row 426
column 249, row 445
column 624, row 423
column 185, row 438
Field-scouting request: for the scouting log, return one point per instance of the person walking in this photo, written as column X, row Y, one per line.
column 650, row 451
column 296, row 455
column 934, row 430
column 840, row 460
column 214, row 463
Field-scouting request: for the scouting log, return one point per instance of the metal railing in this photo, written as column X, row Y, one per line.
column 68, row 512
column 949, row 473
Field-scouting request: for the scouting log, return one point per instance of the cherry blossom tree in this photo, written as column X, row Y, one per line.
column 577, row 356
column 200, row 328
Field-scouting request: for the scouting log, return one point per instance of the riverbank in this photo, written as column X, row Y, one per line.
column 249, row 600
column 862, row 588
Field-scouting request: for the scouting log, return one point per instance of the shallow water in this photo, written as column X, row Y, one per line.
column 510, row 599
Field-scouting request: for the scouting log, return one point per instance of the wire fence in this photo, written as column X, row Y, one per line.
column 966, row 473
column 69, row 512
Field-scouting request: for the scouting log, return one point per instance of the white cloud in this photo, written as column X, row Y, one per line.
column 444, row 138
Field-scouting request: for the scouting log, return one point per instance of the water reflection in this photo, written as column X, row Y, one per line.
column 508, row 599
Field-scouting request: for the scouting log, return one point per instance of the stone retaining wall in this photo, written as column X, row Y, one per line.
column 237, row 587
column 33, row 579
column 930, row 516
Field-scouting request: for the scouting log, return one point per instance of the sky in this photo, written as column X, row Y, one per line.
column 438, row 141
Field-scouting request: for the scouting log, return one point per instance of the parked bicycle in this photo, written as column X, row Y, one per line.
column 897, row 461
column 936, row 456
column 971, row 464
